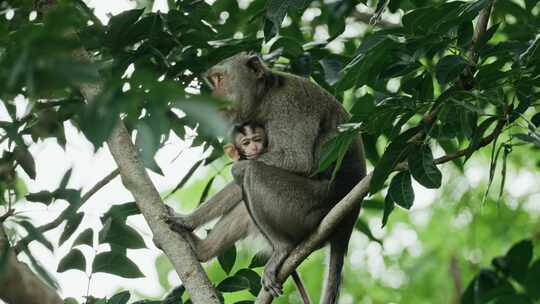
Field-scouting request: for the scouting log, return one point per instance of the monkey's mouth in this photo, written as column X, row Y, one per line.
column 251, row 156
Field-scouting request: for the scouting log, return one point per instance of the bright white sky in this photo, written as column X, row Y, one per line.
column 88, row 168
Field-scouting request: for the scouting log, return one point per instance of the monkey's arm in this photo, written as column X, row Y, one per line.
column 293, row 142
column 217, row 205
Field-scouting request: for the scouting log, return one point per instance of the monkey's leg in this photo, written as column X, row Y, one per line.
column 231, row 227
column 220, row 203
column 285, row 207
column 269, row 279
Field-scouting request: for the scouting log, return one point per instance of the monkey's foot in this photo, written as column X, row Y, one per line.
column 270, row 284
column 179, row 223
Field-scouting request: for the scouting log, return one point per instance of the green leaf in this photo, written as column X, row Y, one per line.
column 363, row 108
column 532, row 279
column 175, row 296
column 44, row 197
column 72, row 224
column 85, row 238
column 528, row 139
column 116, row 263
column 373, row 56
column 363, row 227
column 394, row 153
column 373, row 204
column 512, row 298
column 119, row 25
column 449, row 68
column 120, row 298
column 423, row 169
column 65, row 180
column 72, row 196
column 401, row 191
column 478, row 135
column 258, row 260
column 388, row 208
column 334, row 151
column 518, row 259
column 121, row 212
column 227, row 259
column 291, row 47
column 465, row 33
column 331, row 69
column 206, row 189
column 119, row 233
column 234, row 283
column 536, row 120
column 35, row 234
column 73, row 260
column 253, row 278
column 486, row 37
column 484, row 287
column 186, row 177
column 25, row 160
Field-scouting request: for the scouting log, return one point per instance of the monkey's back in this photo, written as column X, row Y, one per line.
column 300, row 95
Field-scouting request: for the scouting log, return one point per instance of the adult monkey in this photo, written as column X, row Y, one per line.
column 282, row 197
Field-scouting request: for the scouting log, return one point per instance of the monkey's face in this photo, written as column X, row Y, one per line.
column 237, row 78
column 251, row 143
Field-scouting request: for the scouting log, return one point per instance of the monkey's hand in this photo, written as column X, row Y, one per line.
column 292, row 162
column 238, row 170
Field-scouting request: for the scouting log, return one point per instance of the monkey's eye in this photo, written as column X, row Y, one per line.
column 216, row 80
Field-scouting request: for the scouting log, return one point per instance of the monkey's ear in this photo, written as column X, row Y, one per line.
column 231, row 152
column 255, row 63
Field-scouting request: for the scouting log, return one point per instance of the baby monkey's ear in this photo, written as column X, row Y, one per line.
column 231, row 152
column 256, row 64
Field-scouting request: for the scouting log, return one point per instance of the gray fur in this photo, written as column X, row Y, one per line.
column 285, row 202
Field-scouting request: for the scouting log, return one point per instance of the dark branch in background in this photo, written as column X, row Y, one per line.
column 455, row 272
column 359, row 192
column 367, row 19
column 480, row 30
column 102, row 183
column 57, row 221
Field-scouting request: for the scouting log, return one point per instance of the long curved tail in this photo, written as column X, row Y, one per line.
column 339, row 244
column 301, row 288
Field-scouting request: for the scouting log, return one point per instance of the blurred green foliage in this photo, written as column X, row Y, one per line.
column 420, row 87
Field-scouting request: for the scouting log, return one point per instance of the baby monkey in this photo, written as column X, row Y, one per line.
column 249, row 141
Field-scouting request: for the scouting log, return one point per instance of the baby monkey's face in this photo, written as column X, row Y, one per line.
column 251, row 142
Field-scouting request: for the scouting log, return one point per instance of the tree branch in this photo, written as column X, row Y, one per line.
column 367, row 19
column 177, row 249
column 18, row 284
column 137, row 181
